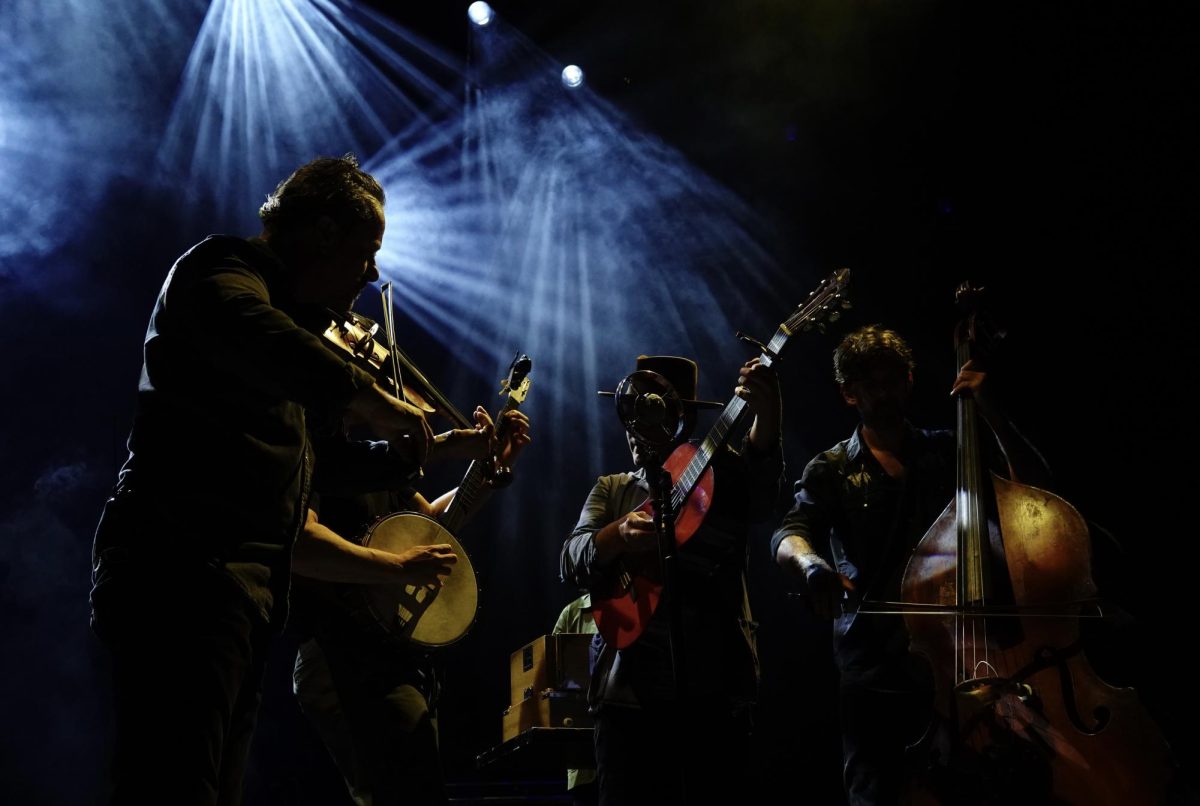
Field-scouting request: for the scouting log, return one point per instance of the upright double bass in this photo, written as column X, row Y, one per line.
column 992, row 597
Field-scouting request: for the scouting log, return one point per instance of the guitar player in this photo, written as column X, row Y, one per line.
column 656, row 745
column 371, row 697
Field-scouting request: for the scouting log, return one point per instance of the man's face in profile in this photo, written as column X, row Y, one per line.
column 350, row 264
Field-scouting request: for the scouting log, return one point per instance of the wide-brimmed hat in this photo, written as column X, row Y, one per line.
column 681, row 373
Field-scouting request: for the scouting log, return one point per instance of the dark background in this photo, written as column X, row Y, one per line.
column 1044, row 151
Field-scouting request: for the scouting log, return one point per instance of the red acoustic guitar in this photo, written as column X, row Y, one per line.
column 623, row 612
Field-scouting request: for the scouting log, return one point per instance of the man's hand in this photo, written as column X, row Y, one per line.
column 400, row 423
column 636, row 531
column 972, row 381
column 758, row 385
column 466, row 443
column 425, row 566
column 481, row 442
column 320, row 553
column 826, row 587
column 514, row 426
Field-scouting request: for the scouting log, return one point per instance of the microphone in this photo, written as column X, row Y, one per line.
column 651, row 409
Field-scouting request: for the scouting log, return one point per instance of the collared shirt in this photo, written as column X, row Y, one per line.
column 720, row 659
column 219, row 465
column 865, row 524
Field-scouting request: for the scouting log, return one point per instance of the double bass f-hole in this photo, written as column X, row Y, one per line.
column 992, row 597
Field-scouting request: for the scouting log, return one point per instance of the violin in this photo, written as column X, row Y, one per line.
column 356, row 338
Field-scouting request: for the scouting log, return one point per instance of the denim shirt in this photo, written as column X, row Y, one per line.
column 865, row 524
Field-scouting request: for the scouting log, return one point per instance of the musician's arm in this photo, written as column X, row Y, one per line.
column 459, row 443
column 759, row 387
column 225, row 313
column 762, row 449
column 596, row 539
column 354, row 467
column 475, row 443
column 432, row 509
column 807, row 523
column 322, row 554
column 1025, row 463
column 513, row 439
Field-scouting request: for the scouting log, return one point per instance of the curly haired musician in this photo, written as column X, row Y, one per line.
column 865, row 503
column 656, row 745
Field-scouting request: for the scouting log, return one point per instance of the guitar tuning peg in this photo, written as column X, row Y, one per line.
column 821, row 327
column 846, row 304
column 835, row 315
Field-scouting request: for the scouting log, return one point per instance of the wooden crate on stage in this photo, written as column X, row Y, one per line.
column 547, row 709
column 558, row 662
column 548, row 680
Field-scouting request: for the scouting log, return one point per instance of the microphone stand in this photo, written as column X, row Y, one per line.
column 661, row 486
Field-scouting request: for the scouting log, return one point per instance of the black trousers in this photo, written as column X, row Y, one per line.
column 372, row 707
column 187, row 665
column 672, row 754
column 877, row 727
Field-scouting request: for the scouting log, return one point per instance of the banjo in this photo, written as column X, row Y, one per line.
column 440, row 616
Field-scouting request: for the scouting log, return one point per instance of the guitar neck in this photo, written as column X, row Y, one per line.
column 472, row 491
column 731, row 424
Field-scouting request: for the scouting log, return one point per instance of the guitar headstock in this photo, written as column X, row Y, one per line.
column 516, row 385
column 824, row 304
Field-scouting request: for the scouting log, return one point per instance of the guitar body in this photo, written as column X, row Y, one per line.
column 420, row 616
column 623, row 614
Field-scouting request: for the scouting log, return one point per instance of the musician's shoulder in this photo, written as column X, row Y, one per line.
column 615, row 479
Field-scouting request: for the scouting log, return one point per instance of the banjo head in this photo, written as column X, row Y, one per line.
column 431, row 618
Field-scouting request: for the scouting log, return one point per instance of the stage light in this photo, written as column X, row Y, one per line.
column 480, row 13
column 271, row 83
column 572, row 76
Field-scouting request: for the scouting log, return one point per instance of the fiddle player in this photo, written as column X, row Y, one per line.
column 656, row 745
column 859, row 510
column 194, row 550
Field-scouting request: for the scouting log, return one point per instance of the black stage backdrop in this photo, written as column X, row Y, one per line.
column 1042, row 150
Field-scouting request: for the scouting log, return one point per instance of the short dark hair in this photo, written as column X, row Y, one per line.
column 869, row 347
column 332, row 186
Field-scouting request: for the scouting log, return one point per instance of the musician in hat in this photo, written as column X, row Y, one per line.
column 674, row 730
